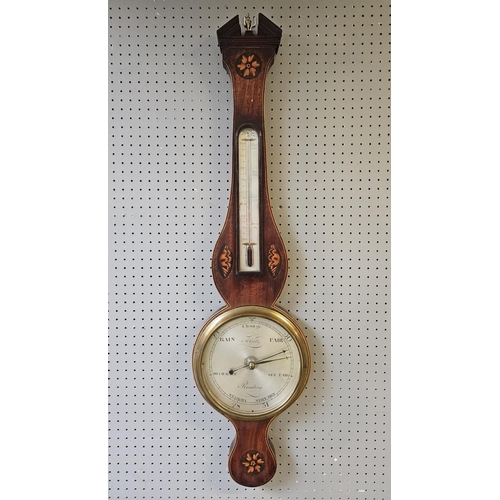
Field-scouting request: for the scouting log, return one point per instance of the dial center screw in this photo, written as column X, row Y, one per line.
column 250, row 362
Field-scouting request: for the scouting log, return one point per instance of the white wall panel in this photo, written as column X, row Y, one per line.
column 328, row 143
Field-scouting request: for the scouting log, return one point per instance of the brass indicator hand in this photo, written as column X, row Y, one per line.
column 251, row 361
column 271, row 356
column 271, row 360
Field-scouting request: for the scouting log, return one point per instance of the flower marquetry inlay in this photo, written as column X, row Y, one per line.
column 253, row 462
column 249, row 65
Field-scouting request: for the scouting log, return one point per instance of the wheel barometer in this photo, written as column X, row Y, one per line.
column 250, row 360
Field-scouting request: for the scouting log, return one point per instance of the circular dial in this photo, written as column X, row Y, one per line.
column 251, row 362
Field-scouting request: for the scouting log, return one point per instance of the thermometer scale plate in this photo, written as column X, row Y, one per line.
column 249, row 247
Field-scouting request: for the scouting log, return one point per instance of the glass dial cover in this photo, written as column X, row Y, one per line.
column 251, row 362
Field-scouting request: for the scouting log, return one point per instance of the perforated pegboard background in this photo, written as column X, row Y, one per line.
column 327, row 131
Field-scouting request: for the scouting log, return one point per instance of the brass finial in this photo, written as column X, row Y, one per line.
column 249, row 22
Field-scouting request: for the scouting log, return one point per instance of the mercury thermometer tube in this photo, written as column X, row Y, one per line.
column 248, row 201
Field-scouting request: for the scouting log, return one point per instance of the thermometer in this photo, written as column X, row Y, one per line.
column 249, row 259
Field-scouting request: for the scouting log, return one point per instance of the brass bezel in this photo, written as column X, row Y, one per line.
column 272, row 314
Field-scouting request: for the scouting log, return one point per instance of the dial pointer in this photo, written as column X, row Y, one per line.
column 271, row 356
column 251, row 363
column 271, row 360
column 232, row 370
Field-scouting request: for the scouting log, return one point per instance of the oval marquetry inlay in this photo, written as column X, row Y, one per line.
column 225, row 261
column 273, row 261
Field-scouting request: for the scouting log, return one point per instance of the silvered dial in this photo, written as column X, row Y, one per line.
column 251, row 363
